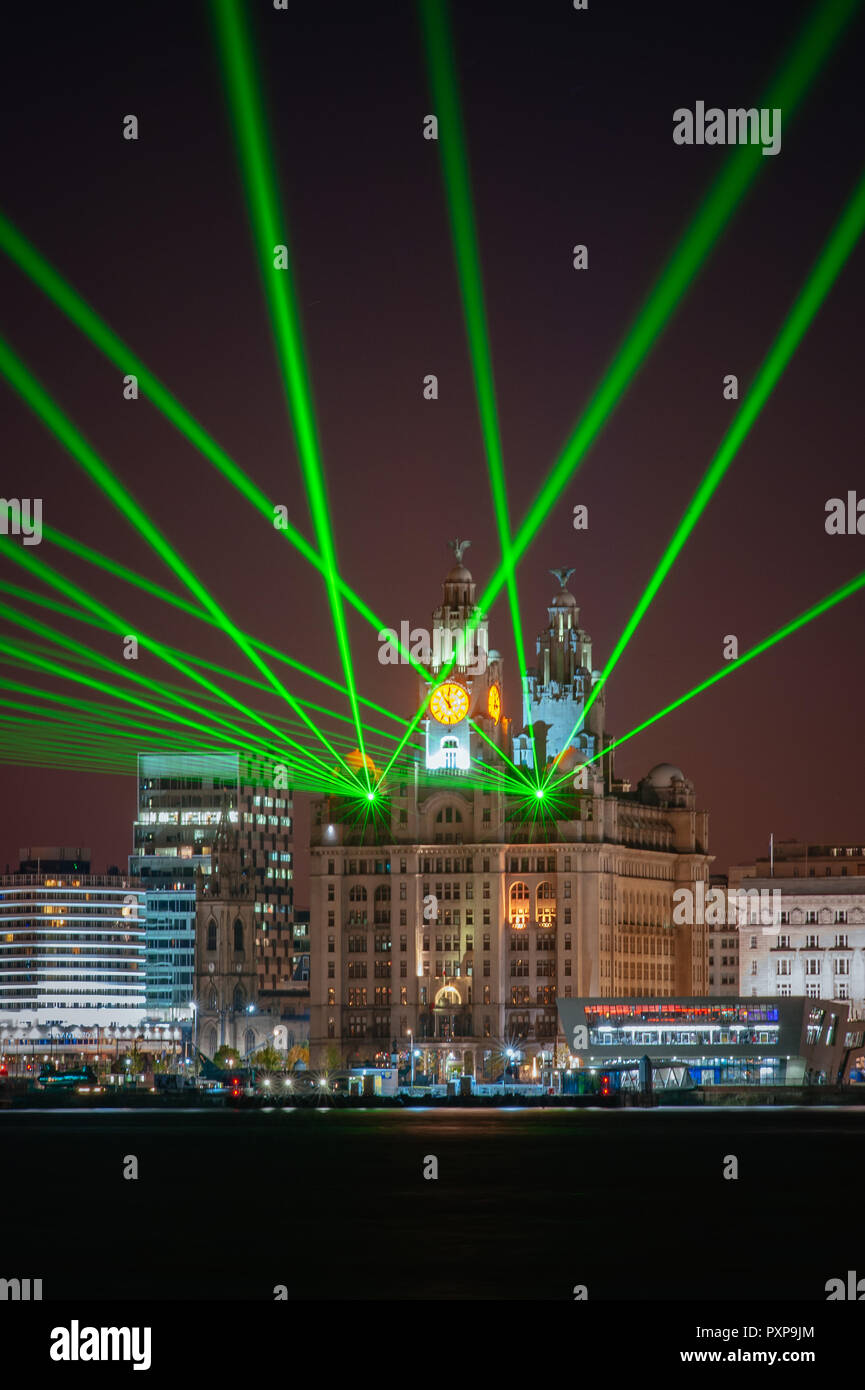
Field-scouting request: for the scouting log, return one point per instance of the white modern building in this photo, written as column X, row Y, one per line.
column 72, row 946
column 815, row 946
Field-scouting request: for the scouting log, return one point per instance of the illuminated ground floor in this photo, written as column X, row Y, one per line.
column 489, row 1063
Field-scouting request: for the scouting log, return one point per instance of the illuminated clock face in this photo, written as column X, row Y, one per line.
column 449, row 703
column 494, row 704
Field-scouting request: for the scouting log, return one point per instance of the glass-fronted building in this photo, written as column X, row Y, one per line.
column 170, row 953
column 182, row 800
column 719, row 1042
column 185, row 801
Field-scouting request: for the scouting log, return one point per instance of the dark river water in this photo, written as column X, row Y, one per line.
column 527, row 1203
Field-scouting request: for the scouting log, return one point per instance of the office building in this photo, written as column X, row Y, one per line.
column 798, row 859
column 72, row 945
column 723, row 947
column 184, row 800
column 450, row 922
column 812, row 946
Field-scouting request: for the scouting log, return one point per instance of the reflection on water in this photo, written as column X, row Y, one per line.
column 334, row 1203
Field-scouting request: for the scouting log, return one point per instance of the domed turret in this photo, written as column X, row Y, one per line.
column 459, row 589
column 664, row 775
column 458, row 575
column 666, row 785
column 563, row 610
column 567, row 759
column 358, row 763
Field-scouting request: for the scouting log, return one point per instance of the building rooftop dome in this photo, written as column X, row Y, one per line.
column 663, row 774
column 563, row 598
column 356, row 760
column 458, row 575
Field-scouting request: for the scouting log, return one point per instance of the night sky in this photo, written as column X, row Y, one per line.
column 569, row 123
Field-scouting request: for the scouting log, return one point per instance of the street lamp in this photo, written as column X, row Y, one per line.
column 509, row 1054
column 193, row 1004
column 411, row 1050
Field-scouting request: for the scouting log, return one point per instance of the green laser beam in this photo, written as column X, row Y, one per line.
column 92, row 707
column 47, row 279
column 38, row 399
column 269, row 229
column 828, row 267
column 817, row 610
column 69, row 643
column 817, row 39
column 58, row 734
column 303, row 780
column 49, row 576
column 516, row 777
column 85, row 318
column 30, row 659
column 128, row 576
column 453, row 149
column 27, row 596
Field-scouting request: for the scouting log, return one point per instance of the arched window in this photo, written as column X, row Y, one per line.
column 211, row 935
column 449, row 814
column 382, row 893
column 238, row 935
column 545, row 905
column 447, row 995
column 213, row 1001
column 238, row 999
column 450, row 749
column 519, row 904
column 357, row 893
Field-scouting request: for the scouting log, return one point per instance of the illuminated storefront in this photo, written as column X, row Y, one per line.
column 721, row 1042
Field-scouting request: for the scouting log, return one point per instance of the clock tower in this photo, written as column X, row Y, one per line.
column 471, row 690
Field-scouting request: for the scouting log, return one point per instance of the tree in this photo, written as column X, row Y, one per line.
column 333, row 1059
column 268, row 1058
column 225, row 1057
column 297, row 1056
column 133, row 1063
